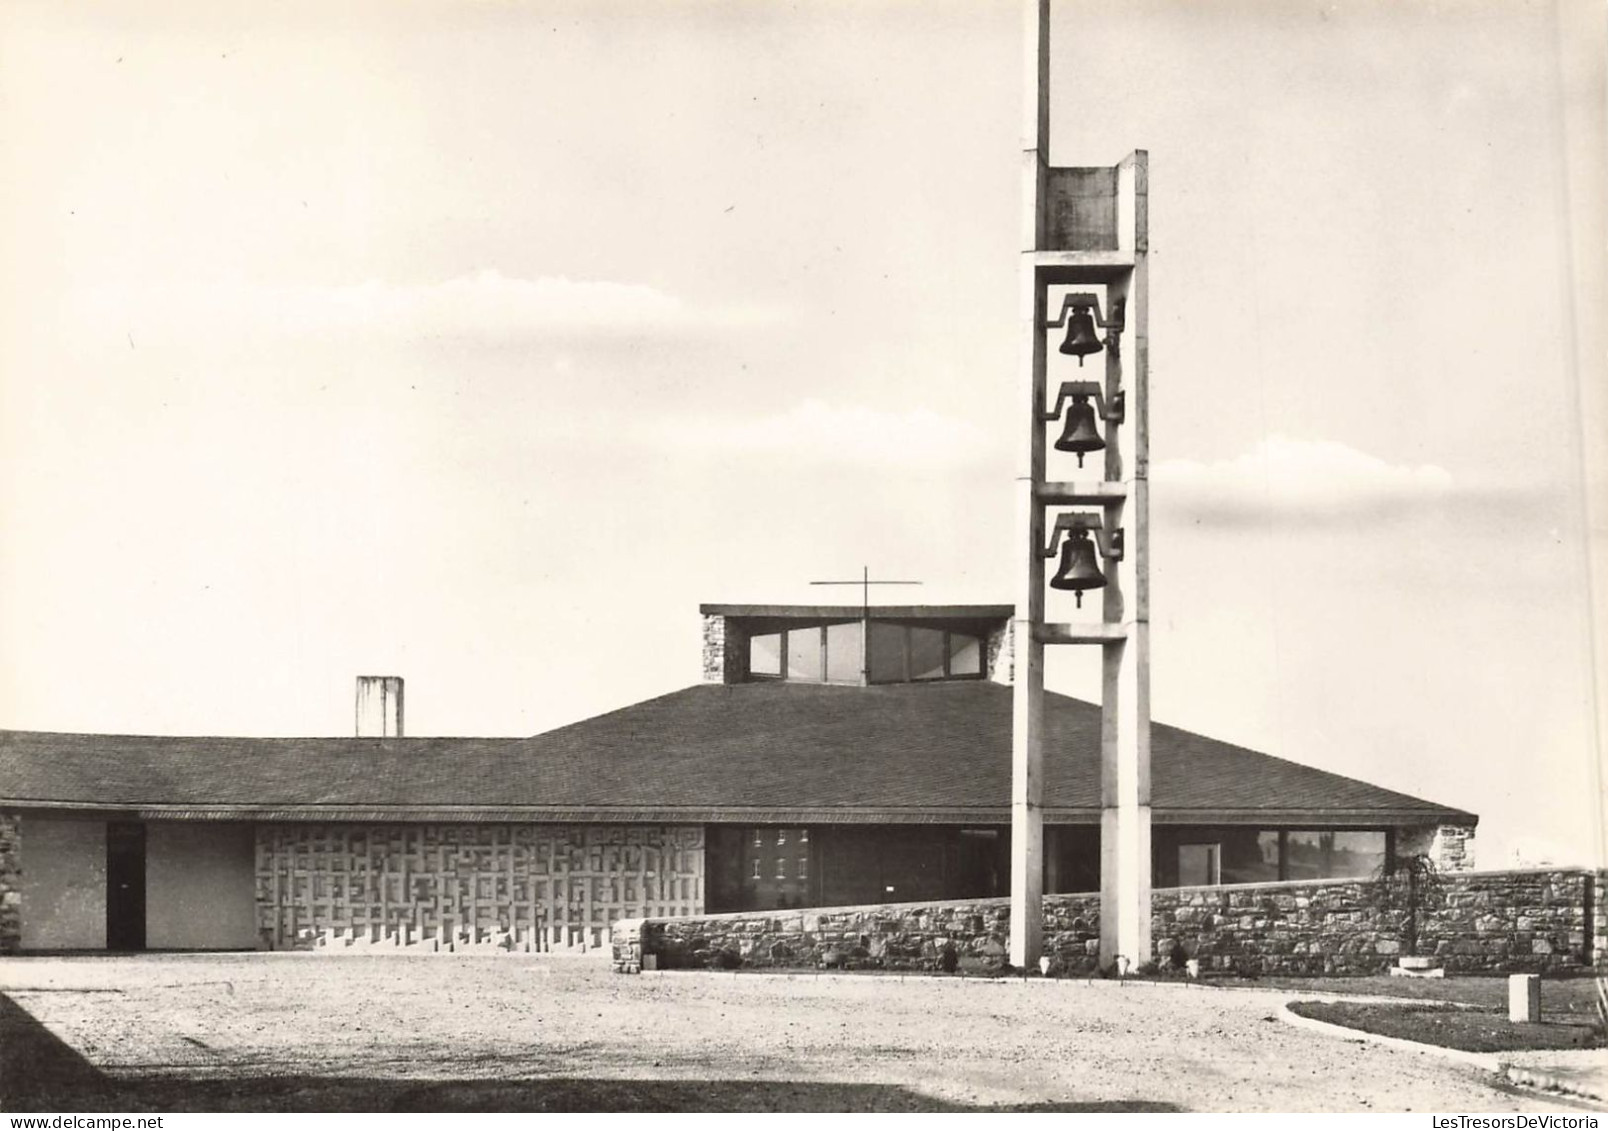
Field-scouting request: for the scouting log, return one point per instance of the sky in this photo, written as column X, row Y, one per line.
column 479, row 343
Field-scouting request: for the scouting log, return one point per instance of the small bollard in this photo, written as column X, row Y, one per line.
column 1524, row 997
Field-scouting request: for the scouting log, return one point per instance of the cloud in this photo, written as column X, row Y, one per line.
column 486, row 305
column 817, row 432
column 1312, row 481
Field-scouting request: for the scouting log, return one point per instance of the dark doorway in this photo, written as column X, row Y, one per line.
column 125, row 885
column 982, row 865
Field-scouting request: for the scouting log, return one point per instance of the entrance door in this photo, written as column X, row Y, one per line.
column 125, row 885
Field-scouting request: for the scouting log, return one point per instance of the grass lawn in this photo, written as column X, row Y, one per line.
column 1459, row 1013
column 1562, row 998
column 1434, row 1023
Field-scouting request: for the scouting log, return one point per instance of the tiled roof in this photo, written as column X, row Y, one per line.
column 779, row 751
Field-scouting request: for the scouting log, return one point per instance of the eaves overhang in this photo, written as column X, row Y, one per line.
column 723, row 814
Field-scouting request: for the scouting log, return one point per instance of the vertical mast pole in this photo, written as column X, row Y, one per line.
column 1027, row 724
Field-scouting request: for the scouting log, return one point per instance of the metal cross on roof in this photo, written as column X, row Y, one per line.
column 865, row 584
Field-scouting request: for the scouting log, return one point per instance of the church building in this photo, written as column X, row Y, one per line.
column 831, row 756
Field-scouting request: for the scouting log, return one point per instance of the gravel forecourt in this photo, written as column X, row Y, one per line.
column 747, row 1040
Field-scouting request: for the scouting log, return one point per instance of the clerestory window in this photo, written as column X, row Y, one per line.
column 836, row 653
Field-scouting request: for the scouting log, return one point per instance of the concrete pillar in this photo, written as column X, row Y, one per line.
column 1524, row 998
column 1125, row 848
column 379, row 706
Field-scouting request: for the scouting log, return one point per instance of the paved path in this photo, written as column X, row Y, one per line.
column 742, row 1040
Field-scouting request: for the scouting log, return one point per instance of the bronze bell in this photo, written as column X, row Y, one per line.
column 1081, row 339
column 1078, row 568
column 1080, row 435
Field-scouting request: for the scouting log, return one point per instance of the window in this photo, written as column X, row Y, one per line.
column 927, row 653
column 844, row 652
column 756, row 869
column 837, row 653
column 803, row 867
column 804, row 654
column 765, row 655
column 759, row 839
column 900, row 654
column 965, row 655
column 887, row 653
column 781, row 869
column 781, row 836
column 1199, row 864
column 1324, row 854
column 1249, row 856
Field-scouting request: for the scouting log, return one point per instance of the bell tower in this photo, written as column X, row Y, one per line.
column 1084, row 243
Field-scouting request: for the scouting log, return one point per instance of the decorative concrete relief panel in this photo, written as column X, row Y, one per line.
column 496, row 887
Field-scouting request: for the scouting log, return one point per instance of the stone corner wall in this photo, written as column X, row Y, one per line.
column 1002, row 653
column 725, row 650
column 1449, row 846
column 625, row 937
column 1599, row 920
column 10, row 883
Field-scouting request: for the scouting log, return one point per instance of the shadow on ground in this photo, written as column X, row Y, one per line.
column 40, row 1072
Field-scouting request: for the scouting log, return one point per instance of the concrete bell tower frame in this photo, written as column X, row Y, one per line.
column 1084, row 228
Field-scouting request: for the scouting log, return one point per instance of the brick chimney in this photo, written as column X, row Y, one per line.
column 379, row 706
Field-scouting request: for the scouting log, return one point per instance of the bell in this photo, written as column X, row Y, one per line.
column 1080, row 435
column 1081, row 339
column 1078, row 569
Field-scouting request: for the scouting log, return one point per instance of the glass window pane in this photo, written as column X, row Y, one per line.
column 1357, row 853
column 1320, row 854
column 965, row 655
column 843, row 652
column 926, row 653
column 887, row 653
column 765, row 654
column 1250, row 856
column 804, row 654
column 1198, row 864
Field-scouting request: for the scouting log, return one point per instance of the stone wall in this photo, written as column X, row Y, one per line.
column 10, row 883
column 1002, row 652
column 1493, row 922
column 1451, row 847
column 725, row 656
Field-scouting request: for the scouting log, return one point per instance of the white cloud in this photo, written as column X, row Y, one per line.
column 485, row 305
column 1311, row 480
column 819, row 432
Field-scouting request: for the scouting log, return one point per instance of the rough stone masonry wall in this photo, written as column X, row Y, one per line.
column 1002, row 653
column 1494, row 922
column 724, row 656
column 10, row 883
column 1451, row 847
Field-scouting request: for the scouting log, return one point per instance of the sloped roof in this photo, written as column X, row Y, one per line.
column 761, row 751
